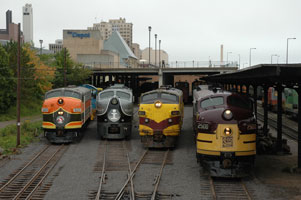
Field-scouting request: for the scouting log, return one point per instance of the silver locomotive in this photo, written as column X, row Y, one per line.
column 114, row 108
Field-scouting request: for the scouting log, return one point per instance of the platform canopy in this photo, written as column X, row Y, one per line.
column 268, row 74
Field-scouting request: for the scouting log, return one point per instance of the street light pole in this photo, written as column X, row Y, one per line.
column 149, row 39
column 238, row 61
column 250, row 56
column 156, row 49
column 287, row 48
column 159, row 53
column 227, row 56
column 272, row 57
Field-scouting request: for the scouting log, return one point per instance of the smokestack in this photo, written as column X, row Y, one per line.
column 222, row 53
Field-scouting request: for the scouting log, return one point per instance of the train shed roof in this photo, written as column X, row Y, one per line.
column 288, row 74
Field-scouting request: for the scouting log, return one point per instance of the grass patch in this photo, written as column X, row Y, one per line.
column 27, row 109
column 29, row 133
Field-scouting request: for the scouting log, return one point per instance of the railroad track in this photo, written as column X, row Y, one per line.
column 229, row 189
column 289, row 130
column 127, row 190
column 27, row 182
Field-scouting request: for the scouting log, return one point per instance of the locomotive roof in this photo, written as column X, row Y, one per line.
column 79, row 89
column 205, row 93
column 167, row 90
column 119, row 87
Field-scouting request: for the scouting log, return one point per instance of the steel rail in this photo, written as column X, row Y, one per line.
column 102, row 173
column 37, row 174
column 212, row 188
column 159, row 177
column 246, row 190
column 44, row 177
column 288, row 131
column 119, row 195
column 132, row 195
column 30, row 162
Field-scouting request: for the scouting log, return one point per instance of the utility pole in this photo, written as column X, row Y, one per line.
column 65, row 67
column 18, row 86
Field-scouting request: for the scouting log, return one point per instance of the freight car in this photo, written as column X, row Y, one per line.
column 114, row 108
column 66, row 111
column 226, row 132
column 161, row 115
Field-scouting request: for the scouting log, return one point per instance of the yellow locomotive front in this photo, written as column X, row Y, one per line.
column 160, row 117
column 226, row 134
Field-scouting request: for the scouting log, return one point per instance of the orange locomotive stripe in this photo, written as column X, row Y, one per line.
column 68, row 105
column 48, row 124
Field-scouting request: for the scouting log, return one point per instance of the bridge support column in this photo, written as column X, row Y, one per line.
column 160, row 74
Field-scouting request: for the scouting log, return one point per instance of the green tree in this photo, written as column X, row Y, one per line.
column 27, row 69
column 76, row 74
column 7, row 82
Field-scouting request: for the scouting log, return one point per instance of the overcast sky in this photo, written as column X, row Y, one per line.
column 189, row 29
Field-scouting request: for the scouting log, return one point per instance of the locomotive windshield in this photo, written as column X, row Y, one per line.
column 240, row 102
column 169, row 97
column 215, row 101
column 149, row 97
column 123, row 95
column 53, row 94
column 59, row 93
column 164, row 97
column 72, row 94
column 105, row 95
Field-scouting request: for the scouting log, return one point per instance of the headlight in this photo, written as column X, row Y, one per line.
column 114, row 101
column 141, row 112
column 77, row 110
column 114, row 115
column 146, row 120
column 169, row 120
column 227, row 115
column 158, row 104
column 44, row 109
column 60, row 112
column 60, row 101
column 227, row 131
column 175, row 112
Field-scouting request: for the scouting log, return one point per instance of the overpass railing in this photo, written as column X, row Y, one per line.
column 193, row 64
column 173, row 64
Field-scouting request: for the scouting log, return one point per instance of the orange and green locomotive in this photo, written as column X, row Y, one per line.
column 65, row 112
column 161, row 113
column 225, row 128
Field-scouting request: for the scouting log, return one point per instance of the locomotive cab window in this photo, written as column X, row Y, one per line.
column 106, row 95
column 240, row 102
column 215, row 101
column 123, row 95
column 149, row 97
column 169, row 98
column 53, row 94
column 72, row 94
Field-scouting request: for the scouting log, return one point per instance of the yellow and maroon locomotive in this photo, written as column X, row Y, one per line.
column 161, row 115
column 65, row 112
column 225, row 128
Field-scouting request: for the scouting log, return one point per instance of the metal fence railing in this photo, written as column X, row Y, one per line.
column 173, row 64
